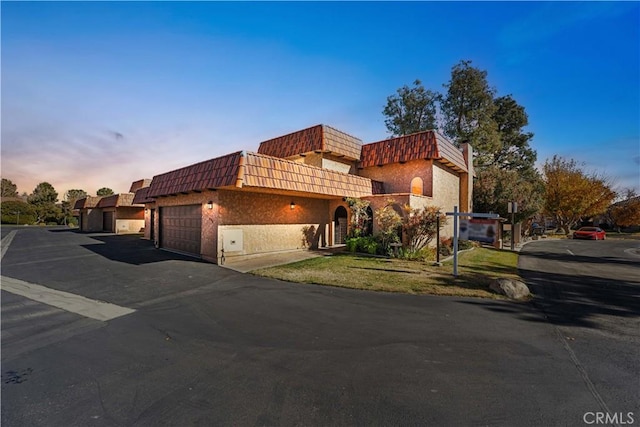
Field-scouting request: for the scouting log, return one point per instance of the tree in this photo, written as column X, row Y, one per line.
column 420, row 226
column 469, row 110
column 572, row 194
column 514, row 152
column 626, row 213
column 72, row 196
column 495, row 187
column 105, row 191
column 359, row 216
column 43, row 199
column 411, row 110
column 9, row 189
column 18, row 212
column 67, row 205
column 389, row 221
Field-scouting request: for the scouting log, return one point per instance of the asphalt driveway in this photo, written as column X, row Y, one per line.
column 211, row 346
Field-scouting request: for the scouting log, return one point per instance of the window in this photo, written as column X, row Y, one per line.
column 417, row 186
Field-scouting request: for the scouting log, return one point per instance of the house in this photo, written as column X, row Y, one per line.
column 291, row 193
column 113, row 214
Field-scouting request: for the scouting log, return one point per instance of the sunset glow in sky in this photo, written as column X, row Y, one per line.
column 100, row 94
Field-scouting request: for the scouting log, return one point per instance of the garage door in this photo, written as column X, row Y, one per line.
column 107, row 222
column 180, row 228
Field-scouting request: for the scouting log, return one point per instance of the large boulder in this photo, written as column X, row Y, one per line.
column 513, row 289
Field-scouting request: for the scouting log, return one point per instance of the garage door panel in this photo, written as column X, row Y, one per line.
column 181, row 228
column 107, row 222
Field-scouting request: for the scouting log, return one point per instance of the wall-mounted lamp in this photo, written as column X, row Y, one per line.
column 209, row 204
column 292, row 205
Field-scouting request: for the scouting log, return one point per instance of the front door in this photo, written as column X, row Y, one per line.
column 340, row 220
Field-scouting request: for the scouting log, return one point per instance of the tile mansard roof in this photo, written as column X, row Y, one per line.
column 214, row 173
column 319, row 138
column 87, row 202
column 274, row 173
column 423, row 145
column 141, row 196
column 117, row 200
column 136, row 185
column 246, row 169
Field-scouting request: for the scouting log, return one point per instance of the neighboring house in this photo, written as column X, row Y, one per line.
column 291, row 193
column 113, row 214
column 89, row 218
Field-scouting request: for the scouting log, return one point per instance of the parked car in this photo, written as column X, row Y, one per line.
column 592, row 233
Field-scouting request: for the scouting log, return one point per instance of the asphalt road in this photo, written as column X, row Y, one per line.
column 590, row 290
column 210, row 346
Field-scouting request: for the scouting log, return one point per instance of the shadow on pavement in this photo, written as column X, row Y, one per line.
column 580, row 259
column 132, row 249
column 571, row 300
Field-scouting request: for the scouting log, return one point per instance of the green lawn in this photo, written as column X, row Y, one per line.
column 476, row 269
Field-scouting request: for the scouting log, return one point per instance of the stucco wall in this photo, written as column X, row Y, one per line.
column 258, row 239
column 446, row 195
column 267, row 223
column 148, row 207
column 129, row 226
column 397, row 177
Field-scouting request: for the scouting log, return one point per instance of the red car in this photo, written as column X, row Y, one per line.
column 592, row 233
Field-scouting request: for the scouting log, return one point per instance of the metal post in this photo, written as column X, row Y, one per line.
column 438, row 238
column 513, row 231
column 455, row 241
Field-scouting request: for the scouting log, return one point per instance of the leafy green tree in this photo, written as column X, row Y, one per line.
column 72, row 196
column 105, row 191
column 572, row 194
column 9, row 189
column 495, row 187
column 469, row 110
column 66, row 207
column 411, row 110
column 18, row 212
column 514, row 152
column 43, row 199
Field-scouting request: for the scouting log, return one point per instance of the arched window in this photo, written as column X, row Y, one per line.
column 417, row 186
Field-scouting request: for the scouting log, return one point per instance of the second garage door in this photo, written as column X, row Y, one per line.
column 180, row 228
column 107, row 222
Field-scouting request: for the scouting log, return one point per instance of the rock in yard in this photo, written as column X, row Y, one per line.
column 513, row 289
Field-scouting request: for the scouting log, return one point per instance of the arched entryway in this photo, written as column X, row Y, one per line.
column 340, row 227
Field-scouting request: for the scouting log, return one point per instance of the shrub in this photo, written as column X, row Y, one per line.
column 389, row 222
column 420, row 226
column 424, row 254
column 366, row 244
column 17, row 212
column 446, row 246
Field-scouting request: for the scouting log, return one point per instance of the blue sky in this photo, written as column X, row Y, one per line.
column 104, row 93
